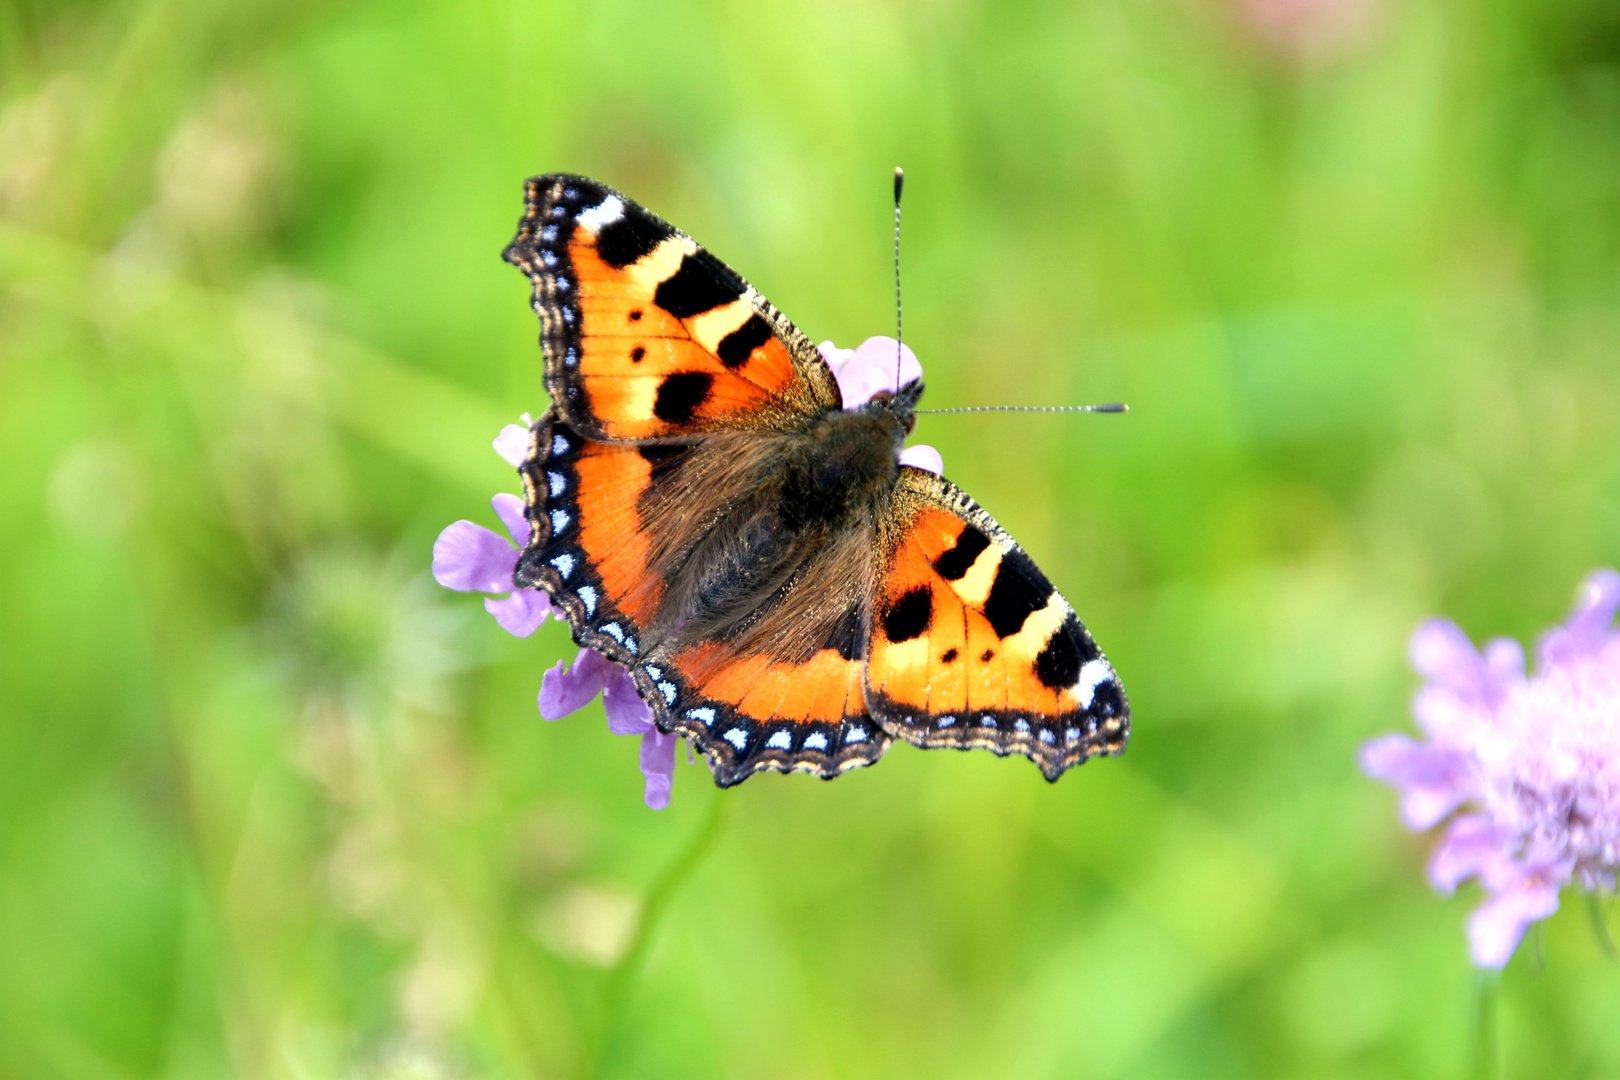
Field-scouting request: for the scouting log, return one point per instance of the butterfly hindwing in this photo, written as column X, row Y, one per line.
column 648, row 336
column 784, row 693
column 587, row 548
column 971, row 646
column 622, row 535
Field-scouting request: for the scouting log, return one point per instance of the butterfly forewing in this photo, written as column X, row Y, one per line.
column 971, row 646
column 647, row 335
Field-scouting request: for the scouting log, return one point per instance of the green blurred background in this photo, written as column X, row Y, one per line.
column 272, row 804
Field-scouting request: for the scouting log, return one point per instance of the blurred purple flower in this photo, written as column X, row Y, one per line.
column 869, row 369
column 1535, row 761
column 562, row 691
column 1311, row 30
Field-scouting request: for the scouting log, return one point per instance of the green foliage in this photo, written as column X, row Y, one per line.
column 274, row 805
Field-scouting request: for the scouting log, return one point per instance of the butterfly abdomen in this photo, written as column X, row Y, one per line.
column 843, row 466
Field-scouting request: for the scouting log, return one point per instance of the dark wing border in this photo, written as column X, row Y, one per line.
column 738, row 746
column 554, row 560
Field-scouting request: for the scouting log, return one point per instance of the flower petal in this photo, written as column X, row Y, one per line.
column 563, row 691
column 1433, row 780
column 1588, row 627
column 871, row 368
column 521, row 613
column 1504, row 666
column 1473, row 846
column 1442, row 653
column 509, row 508
column 512, row 444
column 1497, row 926
column 879, row 352
column 1451, row 718
column 471, row 558
column 923, row 456
column 627, row 714
column 658, row 766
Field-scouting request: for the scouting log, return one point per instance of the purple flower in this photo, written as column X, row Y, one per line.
column 564, row 690
column 471, row 558
column 1534, row 764
column 870, row 369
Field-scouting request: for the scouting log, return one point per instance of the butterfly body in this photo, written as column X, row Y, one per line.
column 706, row 512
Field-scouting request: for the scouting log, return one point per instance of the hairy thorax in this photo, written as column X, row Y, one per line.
column 809, row 515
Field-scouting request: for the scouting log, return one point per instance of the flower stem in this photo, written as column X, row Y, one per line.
column 659, row 895
column 1600, row 925
column 1488, row 1065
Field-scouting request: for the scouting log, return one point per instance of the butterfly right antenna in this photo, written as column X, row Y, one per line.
column 899, row 326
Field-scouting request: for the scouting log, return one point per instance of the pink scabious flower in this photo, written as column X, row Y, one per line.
column 868, row 370
column 471, row 558
column 1533, row 764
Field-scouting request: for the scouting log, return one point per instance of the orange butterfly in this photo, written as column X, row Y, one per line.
column 704, row 511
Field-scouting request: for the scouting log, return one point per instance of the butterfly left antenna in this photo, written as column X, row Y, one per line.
column 899, row 183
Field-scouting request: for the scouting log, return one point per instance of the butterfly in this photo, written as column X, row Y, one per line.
column 704, row 511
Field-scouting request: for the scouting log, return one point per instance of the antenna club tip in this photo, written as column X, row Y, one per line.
column 899, row 182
